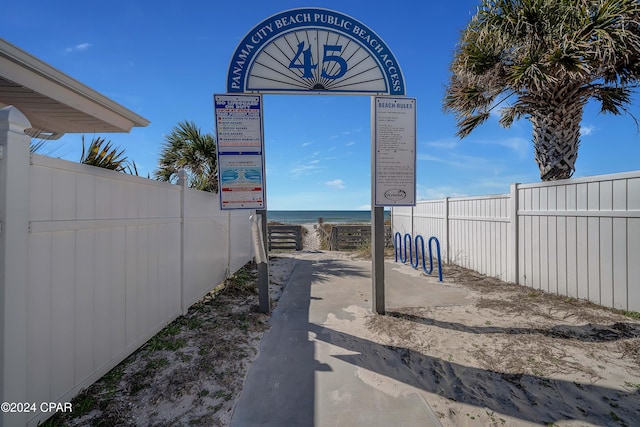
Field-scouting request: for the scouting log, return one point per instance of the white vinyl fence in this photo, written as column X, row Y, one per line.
column 94, row 263
column 578, row 237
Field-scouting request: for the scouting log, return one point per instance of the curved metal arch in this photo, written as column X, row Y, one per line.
column 312, row 50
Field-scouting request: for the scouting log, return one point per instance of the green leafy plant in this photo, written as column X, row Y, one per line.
column 101, row 153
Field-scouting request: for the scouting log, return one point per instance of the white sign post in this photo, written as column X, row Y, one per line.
column 239, row 132
column 393, row 174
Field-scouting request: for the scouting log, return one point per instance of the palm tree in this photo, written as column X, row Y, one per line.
column 545, row 59
column 189, row 149
column 101, row 153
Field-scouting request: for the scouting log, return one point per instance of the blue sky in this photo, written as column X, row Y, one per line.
column 165, row 60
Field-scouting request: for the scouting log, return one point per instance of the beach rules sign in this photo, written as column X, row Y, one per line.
column 240, row 151
column 394, row 151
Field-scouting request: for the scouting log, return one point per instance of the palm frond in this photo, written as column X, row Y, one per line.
column 469, row 123
column 613, row 99
column 187, row 148
column 101, row 153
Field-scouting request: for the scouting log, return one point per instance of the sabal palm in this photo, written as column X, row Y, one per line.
column 186, row 147
column 546, row 59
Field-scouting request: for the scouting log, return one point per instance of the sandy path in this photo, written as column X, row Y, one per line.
column 511, row 356
column 311, row 241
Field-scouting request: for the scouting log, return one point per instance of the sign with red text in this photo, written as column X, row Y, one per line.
column 240, row 151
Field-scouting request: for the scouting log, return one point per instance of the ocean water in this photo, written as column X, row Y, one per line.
column 332, row 217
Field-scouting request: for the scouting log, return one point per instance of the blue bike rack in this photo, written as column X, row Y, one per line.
column 409, row 243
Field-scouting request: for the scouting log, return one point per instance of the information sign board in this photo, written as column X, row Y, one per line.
column 394, row 151
column 240, row 151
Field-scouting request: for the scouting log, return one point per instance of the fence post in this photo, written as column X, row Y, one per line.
column 333, row 239
column 14, row 254
column 413, row 212
column 446, row 230
column 513, row 275
column 182, row 182
column 299, row 238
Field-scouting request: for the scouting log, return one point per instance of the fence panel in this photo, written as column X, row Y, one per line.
column 103, row 275
column 479, row 233
column 240, row 245
column 288, row 237
column 206, row 245
column 429, row 220
column 577, row 237
column 402, row 219
column 113, row 259
column 574, row 237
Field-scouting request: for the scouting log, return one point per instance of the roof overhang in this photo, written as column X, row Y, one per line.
column 55, row 103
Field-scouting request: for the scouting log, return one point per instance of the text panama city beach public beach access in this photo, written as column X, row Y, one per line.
column 283, row 23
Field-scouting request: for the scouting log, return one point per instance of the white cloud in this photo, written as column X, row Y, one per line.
column 444, row 143
column 306, row 144
column 430, row 158
column 337, row 184
column 587, row 130
column 517, row 144
column 302, row 170
column 350, row 143
column 437, row 193
column 460, row 161
column 79, row 47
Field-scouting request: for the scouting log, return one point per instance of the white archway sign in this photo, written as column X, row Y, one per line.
column 313, row 50
column 320, row 51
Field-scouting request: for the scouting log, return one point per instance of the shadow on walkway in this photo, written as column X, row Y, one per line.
column 308, row 374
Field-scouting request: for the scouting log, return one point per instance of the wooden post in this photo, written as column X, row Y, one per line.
column 299, row 238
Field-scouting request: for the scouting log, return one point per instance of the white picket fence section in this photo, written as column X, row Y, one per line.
column 93, row 264
column 575, row 237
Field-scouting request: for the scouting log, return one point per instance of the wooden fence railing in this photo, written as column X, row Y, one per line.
column 351, row 237
column 285, row 237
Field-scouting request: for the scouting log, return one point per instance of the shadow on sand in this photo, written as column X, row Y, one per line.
column 281, row 386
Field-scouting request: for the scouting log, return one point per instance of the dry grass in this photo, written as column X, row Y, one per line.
column 513, row 346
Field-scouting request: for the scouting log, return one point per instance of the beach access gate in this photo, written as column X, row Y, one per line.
column 317, row 52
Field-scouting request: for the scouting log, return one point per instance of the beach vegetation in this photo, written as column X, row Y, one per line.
column 187, row 148
column 38, row 147
column 101, row 153
column 544, row 60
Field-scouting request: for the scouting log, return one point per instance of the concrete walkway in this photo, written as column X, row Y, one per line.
column 319, row 365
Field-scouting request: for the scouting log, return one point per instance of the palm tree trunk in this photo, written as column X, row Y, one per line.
column 556, row 135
